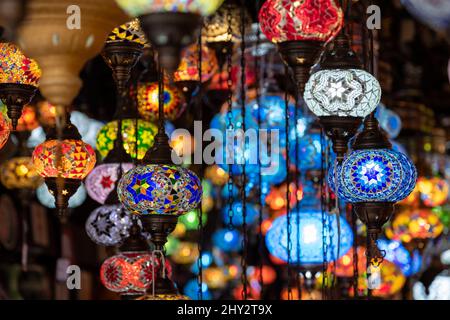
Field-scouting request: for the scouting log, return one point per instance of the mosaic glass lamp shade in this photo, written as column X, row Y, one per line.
column 342, row 92
column 141, row 7
column 188, row 68
column 287, row 20
column 130, row 31
column 415, row 225
column 128, row 273
column 145, row 135
column 147, row 95
column 227, row 240
column 398, row 254
column 374, row 175
column 166, row 297
column 19, row 173
column 77, row 160
column 28, row 120
column 435, row 13
column 101, row 181
column 160, row 189
column 310, row 238
column 15, row 67
column 237, row 219
column 47, row 199
column 108, row 225
column 215, row 28
column 5, row 129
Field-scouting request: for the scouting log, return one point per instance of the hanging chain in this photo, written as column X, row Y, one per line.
column 288, row 192
column 244, row 175
column 200, row 208
column 230, row 127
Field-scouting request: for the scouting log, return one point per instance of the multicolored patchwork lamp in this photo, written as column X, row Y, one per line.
column 300, row 28
column 341, row 94
column 63, row 163
column 187, row 77
column 373, row 178
column 170, row 25
column 160, row 191
column 19, row 77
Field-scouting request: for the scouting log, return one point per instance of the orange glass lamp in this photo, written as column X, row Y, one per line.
column 19, row 77
column 28, row 121
column 147, row 96
column 418, row 226
column 5, row 129
column 63, row 164
column 433, row 192
column 187, row 77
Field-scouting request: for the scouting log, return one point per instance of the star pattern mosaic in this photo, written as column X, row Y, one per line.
column 160, row 189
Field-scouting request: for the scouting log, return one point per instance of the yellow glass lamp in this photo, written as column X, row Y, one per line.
column 19, row 173
column 433, row 192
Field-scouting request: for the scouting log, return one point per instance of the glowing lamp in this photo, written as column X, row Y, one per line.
column 19, row 77
column 344, row 265
column 102, row 180
column 142, row 7
column 415, row 225
column 166, row 297
column 147, row 96
column 389, row 121
column 276, row 198
column 227, row 240
column 145, row 137
column 374, row 175
column 47, row 198
column 19, row 173
column 191, row 220
column 433, row 192
column 127, row 273
column 438, row 289
column 188, row 68
column 392, row 280
column 300, row 28
column 108, row 225
column 28, row 120
column 309, row 152
column 46, row 113
column 77, row 159
column 237, row 219
column 186, row 253
column 216, row 27
column 191, row 289
column 130, row 31
column 215, row 277
column 400, row 256
column 309, row 246
column 216, row 174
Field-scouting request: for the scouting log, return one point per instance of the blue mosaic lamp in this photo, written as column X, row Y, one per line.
column 308, row 243
column 373, row 178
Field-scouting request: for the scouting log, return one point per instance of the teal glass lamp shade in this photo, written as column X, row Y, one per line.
column 307, row 244
column 48, row 200
column 160, row 189
column 374, row 175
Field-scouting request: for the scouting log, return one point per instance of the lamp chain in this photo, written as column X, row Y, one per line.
column 244, row 175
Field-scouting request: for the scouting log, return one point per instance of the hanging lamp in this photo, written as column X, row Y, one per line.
column 62, row 43
column 170, row 25
column 300, row 29
column 19, row 77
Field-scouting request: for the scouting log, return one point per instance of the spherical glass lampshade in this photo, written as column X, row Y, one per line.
column 19, row 173
column 237, row 218
column 188, row 68
column 216, row 26
column 398, row 254
column 128, row 272
column 15, row 67
column 48, row 200
column 439, row 289
column 108, row 225
column 145, row 135
column 435, row 13
column 309, row 237
column 148, row 105
column 418, row 224
column 374, row 175
column 5, row 129
column 130, row 31
column 227, row 240
column 102, row 180
column 141, row 7
column 344, row 93
column 433, row 192
column 77, row 159
column 288, row 20
column 160, row 189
